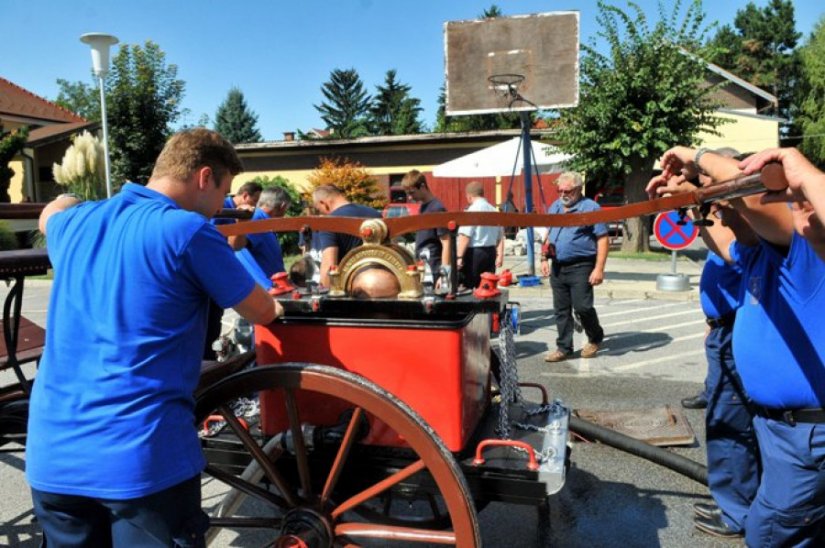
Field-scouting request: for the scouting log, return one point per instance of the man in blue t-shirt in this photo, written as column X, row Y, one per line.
column 330, row 200
column 432, row 245
column 113, row 456
column 579, row 254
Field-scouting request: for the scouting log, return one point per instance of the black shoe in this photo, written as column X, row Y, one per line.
column 707, row 510
column 699, row 401
column 716, row 527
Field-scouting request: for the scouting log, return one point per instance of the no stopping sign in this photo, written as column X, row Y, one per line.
column 671, row 234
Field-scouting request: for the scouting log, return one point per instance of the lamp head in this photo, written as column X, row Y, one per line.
column 100, row 44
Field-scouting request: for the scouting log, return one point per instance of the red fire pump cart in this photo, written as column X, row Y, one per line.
column 381, row 422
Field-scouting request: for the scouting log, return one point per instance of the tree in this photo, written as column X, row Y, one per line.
column 235, row 121
column 810, row 113
column 646, row 95
column 143, row 100
column 82, row 99
column 358, row 185
column 761, row 48
column 492, row 11
column 393, row 110
column 11, row 143
column 346, row 106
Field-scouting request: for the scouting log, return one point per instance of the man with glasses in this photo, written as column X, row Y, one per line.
column 579, row 254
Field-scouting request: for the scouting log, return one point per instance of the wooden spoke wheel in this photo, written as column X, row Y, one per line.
column 294, row 491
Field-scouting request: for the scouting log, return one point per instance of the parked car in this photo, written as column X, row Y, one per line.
column 401, row 209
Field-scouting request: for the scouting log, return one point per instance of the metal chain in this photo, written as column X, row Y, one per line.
column 508, row 374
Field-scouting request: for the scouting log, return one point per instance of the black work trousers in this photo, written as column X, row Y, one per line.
column 477, row 261
column 572, row 292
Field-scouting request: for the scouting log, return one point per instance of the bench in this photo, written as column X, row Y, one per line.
column 22, row 340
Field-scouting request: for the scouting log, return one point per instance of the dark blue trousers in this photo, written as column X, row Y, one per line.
column 169, row 518
column 732, row 449
column 789, row 508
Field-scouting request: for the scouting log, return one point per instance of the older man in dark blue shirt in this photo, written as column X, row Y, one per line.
column 579, row 254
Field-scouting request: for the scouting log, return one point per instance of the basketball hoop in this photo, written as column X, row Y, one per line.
column 506, row 86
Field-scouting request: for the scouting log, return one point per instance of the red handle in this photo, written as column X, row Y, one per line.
column 532, row 464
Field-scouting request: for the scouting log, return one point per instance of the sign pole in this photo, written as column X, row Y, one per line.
column 674, row 233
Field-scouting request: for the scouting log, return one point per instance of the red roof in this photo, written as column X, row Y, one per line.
column 16, row 101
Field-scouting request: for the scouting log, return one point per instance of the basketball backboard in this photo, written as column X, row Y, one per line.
column 542, row 48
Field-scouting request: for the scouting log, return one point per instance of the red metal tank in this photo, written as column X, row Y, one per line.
column 437, row 362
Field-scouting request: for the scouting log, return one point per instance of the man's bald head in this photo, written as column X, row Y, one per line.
column 374, row 282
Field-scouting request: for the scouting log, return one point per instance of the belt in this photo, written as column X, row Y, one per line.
column 793, row 416
column 589, row 260
column 722, row 321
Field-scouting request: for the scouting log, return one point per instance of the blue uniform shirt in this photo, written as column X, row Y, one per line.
column 112, row 412
column 265, row 248
column 345, row 242
column 778, row 341
column 719, row 286
column 575, row 243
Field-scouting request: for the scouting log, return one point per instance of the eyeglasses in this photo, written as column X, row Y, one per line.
column 571, row 191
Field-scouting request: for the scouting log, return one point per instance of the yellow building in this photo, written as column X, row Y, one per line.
column 746, row 128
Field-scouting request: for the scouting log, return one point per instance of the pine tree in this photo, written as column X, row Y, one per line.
column 393, row 110
column 346, row 104
column 235, row 121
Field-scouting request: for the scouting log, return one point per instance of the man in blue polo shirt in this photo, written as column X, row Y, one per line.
column 579, row 254
column 261, row 254
column 330, row 200
column 780, row 353
column 245, row 198
column 113, row 456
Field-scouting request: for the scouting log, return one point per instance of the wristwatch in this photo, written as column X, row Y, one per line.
column 698, row 157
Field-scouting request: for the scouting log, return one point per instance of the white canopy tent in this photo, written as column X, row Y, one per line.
column 498, row 161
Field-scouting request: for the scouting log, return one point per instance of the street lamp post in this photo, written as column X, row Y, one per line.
column 100, row 44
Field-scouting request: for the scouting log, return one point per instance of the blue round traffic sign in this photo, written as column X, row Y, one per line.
column 671, row 234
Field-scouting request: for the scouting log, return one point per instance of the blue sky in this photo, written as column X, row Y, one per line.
column 277, row 52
